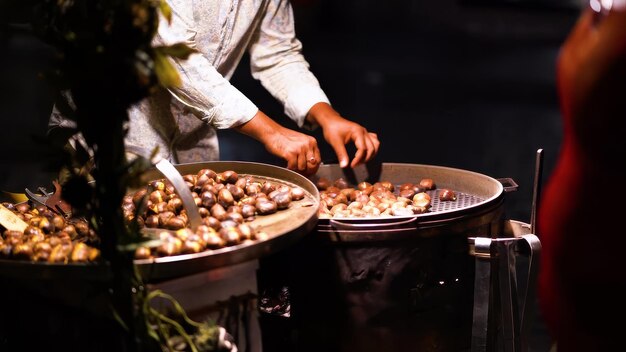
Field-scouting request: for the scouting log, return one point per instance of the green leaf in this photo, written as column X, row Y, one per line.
column 166, row 10
column 119, row 319
column 131, row 247
column 165, row 71
column 178, row 50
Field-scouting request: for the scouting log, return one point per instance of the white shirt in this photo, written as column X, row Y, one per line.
column 181, row 122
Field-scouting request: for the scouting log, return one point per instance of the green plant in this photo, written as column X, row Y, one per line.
column 105, row 63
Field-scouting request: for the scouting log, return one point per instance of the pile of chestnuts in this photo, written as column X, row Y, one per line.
column 226, row 201
column 340, row 200
column 49, row 237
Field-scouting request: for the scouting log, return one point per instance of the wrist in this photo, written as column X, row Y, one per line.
column 320, row 114
column 261, row 127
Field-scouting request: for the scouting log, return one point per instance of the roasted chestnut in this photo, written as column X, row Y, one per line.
column 407, row 192
column 228, row 176
column 422, row 199
column 80, row 253
column 190, row 247
column 143, row 253
column 253, row 188
column 340, row 183
column 230, row 235
column 265, row 206
column 175, row 223
column 282, row 199
column 323, row 183
column 212, row 222
column 236, row 191
column 22, row 207
column 297, row 193
column 218, row 212
column 225, row 198
column 447, row 195
column 427, row 184
column 208, row 172
column 247, row 232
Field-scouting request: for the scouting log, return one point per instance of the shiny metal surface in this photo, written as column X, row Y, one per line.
column 171, row 173
column 283, row 228
column 479, row 203
column 497, row 265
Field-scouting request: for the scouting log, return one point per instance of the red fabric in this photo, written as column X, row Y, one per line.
column 582, row 280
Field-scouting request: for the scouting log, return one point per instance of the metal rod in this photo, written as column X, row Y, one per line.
column 536, row 190
column 169, row 171
column 482, row 280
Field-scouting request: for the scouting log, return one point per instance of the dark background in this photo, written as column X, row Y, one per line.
column 459, row 83
column 466, row 84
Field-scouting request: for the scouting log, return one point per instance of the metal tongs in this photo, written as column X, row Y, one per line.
column 515, row 315
column 52, row 200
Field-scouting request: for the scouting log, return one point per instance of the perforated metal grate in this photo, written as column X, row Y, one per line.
column 462, row 201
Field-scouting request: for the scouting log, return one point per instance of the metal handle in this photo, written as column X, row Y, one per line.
column 378, row 225
column 536, row 190
column 169, row 171
column 508, row 183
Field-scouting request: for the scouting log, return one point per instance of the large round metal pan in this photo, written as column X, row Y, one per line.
column 283, row 228
column 479, row 201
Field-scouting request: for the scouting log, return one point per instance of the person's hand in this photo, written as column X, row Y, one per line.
column 298, row 149
column 339, row 131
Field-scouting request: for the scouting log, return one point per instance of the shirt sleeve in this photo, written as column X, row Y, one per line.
column 205, row 91
column 276, row 60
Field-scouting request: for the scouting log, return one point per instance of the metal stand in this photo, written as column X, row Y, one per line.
column 226, row 295
column 515, row 312
column 498, row 257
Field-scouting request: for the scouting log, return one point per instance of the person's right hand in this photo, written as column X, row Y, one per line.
column 299, row 150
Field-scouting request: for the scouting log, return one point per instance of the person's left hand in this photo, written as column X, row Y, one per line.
column 339, row 131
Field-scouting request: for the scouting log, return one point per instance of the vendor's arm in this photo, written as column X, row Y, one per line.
column 212, row 98
column 298, row 149
column 277, row 61
column 204, row 90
